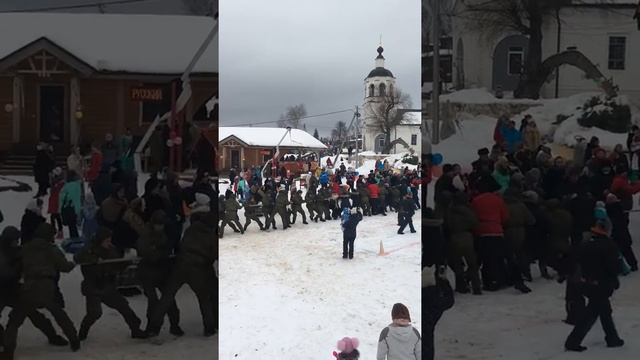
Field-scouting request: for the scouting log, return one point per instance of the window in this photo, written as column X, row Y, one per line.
column 515, row 60
column 151, row 109
column 381, row 142
column 391, row 89
column 617, row 50
column 371, row 89
column 383, row 90
column 414, row 139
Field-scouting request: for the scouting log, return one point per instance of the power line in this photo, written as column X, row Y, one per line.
column 67, row 7
column 304, row 117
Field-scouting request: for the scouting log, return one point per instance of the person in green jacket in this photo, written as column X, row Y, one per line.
column 154, row 250
column 311, row 199
column 251, row 213
column 501, row 175
column 231, row 207
column 296, row 207
column 268, row 208
column 282, row 202
column 71, row 198
column 99, row 284
column 461, row 221
column 42, row 263
column 194, row 266
column 324, row 197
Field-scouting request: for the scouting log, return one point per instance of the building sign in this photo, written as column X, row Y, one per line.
column 146, row 94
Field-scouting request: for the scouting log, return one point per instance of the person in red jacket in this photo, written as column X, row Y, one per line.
column 96, row 164
column 57, row 179
column 624, row 189
column 492, row 213
column 374, row 197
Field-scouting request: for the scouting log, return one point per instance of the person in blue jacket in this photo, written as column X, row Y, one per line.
column 349, row 225
column 71, row 199
column 512, row 137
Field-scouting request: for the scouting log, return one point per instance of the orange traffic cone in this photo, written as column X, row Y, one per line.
column 381, row 253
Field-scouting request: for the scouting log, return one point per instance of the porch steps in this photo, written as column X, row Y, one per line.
column 22, row 165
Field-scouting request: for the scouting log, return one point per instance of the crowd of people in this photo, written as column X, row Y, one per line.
column 166, row 235
column 329, row 193
column 518, row 205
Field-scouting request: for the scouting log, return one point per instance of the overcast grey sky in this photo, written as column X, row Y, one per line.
column 278, row 53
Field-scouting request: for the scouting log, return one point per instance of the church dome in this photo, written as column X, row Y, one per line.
column 380, row 71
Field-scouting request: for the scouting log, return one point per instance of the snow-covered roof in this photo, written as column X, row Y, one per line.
column 412, row 119
column 154, row 44
column 269, row 137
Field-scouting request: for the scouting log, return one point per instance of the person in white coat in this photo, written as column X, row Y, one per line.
column 400, row 340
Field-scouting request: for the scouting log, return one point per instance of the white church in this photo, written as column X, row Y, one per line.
column 377, row 85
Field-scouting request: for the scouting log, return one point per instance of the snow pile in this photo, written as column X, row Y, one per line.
column 480, row 96
column 394, row 160
column 279, row 288
column 473, row 133
column 110, row 42
column 269, row 137
column 211, row 104
column 571, row 109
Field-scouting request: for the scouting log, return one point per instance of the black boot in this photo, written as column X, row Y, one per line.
column 139, row 334
column 612, row 343
column 58, row 340
column 176, row 331
column 523, row 288
column 576, row 348
column 462, row 286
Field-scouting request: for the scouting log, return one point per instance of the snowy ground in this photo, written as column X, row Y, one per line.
column 509, row 325
column 109, row 337
column 289, row 294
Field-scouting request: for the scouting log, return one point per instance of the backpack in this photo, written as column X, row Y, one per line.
column 68, row 212
column 345, row 217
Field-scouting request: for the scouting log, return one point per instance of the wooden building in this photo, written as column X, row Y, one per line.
column 244, row 147
column 71, row 78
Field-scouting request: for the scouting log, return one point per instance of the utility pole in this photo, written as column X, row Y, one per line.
column 435, row 94
column 357, row 136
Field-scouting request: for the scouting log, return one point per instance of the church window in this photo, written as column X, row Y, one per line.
column 391, row 89
column 383, row 90
column 371, row 89
column 414, row 139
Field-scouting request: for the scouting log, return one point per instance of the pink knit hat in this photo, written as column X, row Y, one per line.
column 347, row 345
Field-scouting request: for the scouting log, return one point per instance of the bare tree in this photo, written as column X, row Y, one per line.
column 340, row 131
column 292, row 116
column 494, row 17
column 385, row 115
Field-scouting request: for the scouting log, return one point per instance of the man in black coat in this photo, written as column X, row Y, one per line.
column 349, row 234
column 598, row 261
column 10, row 274
column 407, row 210
column 433, row 245
column 42, row 167
column 437, row 296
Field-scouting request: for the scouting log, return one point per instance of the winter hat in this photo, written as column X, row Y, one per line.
column 601, row 227
column 428, row 276
column 400, row 311
column 10, row 235
column 35, row 206
column 483, row 151
column 159, row 217
column 347, row 345
column 600, row 212
column 202, row 199
column 44, row 231
column 530, row 197
column 101, row 235
column 612, row 198
column 57, row 171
